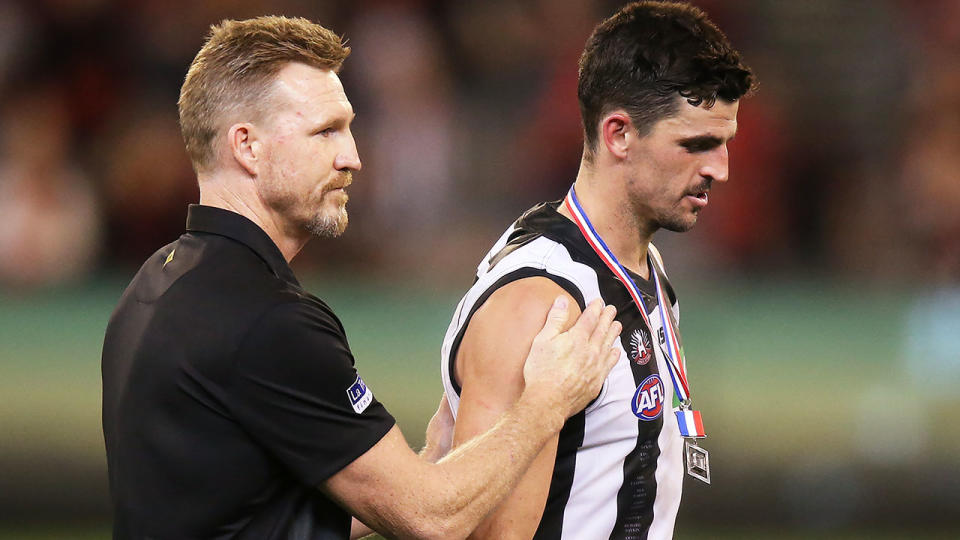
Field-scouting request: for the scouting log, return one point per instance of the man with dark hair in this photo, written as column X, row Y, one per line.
column 659, row 88
column 231, row 404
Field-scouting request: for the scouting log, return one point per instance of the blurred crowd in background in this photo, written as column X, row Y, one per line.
column 846, row 163
column 845, row 171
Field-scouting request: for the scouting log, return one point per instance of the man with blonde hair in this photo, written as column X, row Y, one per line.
column 231, row 404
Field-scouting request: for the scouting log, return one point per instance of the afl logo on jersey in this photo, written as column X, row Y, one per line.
column 640, row 349
column 648, row 400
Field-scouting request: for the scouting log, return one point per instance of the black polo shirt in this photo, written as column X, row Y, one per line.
column 229, row 393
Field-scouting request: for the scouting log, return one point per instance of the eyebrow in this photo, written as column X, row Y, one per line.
column 335, row 123
column 700, row 142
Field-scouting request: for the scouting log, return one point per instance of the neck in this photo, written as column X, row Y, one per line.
column 605, row 202
column 241, row 196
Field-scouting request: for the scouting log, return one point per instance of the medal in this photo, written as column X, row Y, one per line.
column 698, row 460
column 689, row 422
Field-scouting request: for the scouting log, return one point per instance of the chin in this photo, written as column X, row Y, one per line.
column 679, row 224
column 324, row 226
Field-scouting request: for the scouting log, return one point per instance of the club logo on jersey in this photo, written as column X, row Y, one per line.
column 360, row 396
column 641, row 351
column 647, row 402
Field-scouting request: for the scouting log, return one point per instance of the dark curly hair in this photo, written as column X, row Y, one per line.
column 646, row 55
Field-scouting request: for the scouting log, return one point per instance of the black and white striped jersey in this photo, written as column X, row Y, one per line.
column 619, row 467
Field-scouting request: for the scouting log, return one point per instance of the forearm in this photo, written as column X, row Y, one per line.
column 402, row 495
column 476, row 476
column 519, row 514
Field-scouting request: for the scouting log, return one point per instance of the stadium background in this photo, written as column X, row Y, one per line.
column 820, row 291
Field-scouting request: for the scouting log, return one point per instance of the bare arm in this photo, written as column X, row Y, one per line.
column 489, row 368
column 439, row 440
column 397, row 493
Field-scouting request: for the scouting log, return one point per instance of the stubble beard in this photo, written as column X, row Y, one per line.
column 675, row 219
column 679, row 218
column 327, row 226
column 677, row 223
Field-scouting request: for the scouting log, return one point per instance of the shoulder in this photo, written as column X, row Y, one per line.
column 513, row 315
column 535, row 256
column 522, row 283
column 296, row 314
column 228, row 268
column 298, row 345
column 528, row 295
column 293, row 351
column 497, row 339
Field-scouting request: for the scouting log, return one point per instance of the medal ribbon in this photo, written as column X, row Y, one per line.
column 675, row 360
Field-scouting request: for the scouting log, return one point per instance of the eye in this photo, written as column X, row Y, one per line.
column 700, row 145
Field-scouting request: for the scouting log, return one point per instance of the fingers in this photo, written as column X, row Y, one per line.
column 613, row 331
column 605, row 323
column 603, row 337
column 611, row 360
column 556, row 317
column 588, row 320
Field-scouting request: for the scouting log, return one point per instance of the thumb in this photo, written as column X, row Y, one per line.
column 444, row 409
column 556, row 317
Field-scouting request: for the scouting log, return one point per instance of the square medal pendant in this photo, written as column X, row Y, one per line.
column 698, row 461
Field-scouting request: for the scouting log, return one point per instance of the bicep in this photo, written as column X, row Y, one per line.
column 489, row 367
column 490, row 360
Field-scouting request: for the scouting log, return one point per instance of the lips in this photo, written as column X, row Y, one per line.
column 345, row 180
column 699, row 199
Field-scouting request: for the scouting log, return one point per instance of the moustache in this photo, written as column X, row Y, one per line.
column 702, row 187
column 344, row 179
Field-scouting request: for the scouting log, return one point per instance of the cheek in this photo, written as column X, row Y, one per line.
column 681, row 160
column 671, row 175
column 683, row 169
column 292, row 161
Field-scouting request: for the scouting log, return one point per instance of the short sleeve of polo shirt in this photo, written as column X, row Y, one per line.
column 295, row 389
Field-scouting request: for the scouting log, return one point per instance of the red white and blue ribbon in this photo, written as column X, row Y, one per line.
column 689, row 421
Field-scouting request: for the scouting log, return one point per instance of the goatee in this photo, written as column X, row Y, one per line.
column 324, row 226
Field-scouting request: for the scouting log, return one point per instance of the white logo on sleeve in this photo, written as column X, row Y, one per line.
column 360, row 396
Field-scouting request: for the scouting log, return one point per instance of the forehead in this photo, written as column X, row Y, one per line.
column 719, row 120
column 309, row 91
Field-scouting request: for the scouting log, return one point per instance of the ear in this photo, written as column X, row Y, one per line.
column 614, row 129
column 244, row 147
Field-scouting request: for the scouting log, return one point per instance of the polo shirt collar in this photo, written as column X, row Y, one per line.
column 213, row 220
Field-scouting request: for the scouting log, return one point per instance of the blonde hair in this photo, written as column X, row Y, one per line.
column 236, row 66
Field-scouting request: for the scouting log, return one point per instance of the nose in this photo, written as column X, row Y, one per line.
column 717, row 164
column 348, row 158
